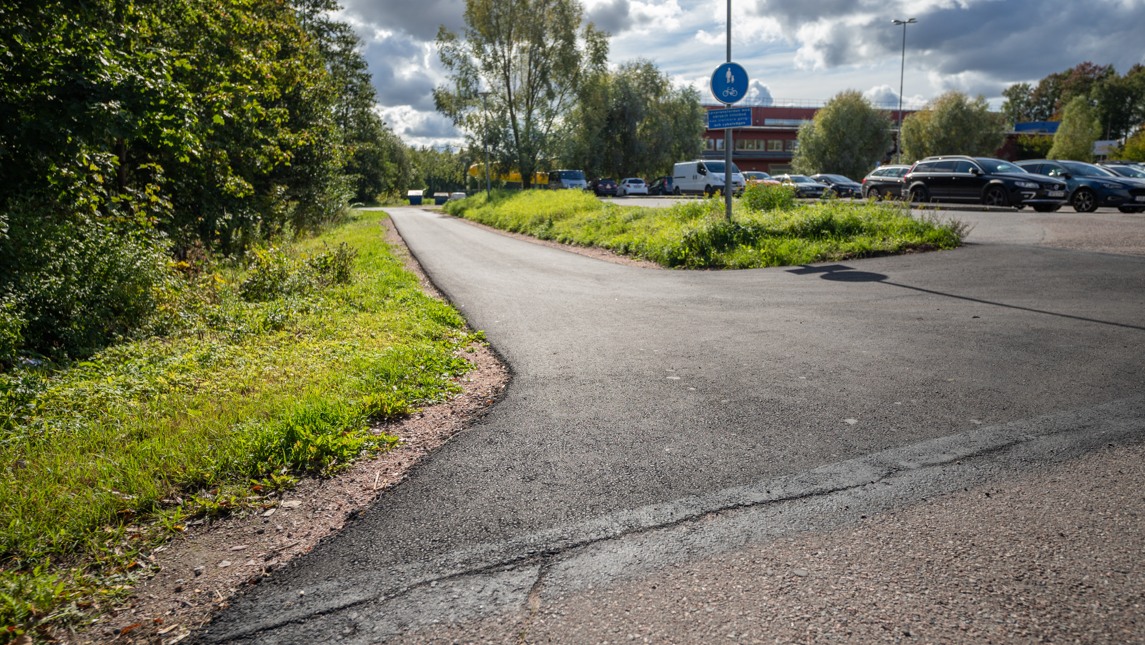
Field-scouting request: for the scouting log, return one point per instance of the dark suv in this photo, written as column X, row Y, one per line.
column 884, row 182
column 1092, row 186
column 992, row 182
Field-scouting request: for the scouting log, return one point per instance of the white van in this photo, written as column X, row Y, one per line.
column 565, row 179
column 704, row 177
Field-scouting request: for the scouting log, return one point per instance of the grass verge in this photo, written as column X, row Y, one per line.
column 768, row 227
column 255, row 375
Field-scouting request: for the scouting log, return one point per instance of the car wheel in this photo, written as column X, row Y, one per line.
column 919, row 194
column 676, row 191
column 995, row 196
column 1046, row 208
column 1083, row 200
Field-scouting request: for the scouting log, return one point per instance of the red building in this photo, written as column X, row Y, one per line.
column 769, row 144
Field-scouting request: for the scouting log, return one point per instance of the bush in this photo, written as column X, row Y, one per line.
column 77, row 286
column 768, row 197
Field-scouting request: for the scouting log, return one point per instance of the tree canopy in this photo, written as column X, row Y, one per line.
column 849, row 136
column 516, row 73
column 131, row 132
column 1077, row 133
column 632, row 122
column 1118, row 100
column 952, row 124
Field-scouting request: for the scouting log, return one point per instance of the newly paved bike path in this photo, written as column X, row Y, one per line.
column 644, row 401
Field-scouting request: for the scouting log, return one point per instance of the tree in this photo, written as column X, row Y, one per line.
column 1078, row 131
column 633, row 122
column 1018, row 106
column 375, row 159
column 530, row 58
column 1133, row 149
column 849, row 136
column 131, row 131
column 953, row 124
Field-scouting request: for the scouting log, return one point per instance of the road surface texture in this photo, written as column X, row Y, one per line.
column 941, row 447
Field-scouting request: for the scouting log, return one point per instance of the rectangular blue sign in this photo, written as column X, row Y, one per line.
column 729, row 118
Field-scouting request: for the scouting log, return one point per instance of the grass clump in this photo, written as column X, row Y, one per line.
column 256, row 374
column 768, row 227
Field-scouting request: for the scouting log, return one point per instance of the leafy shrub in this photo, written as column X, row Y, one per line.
column 79, row 286
column 768, row 197
column 11, row 332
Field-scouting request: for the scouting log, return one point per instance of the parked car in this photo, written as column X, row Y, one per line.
column 758, row 177
column 884, row 182
column 567, row 179
column 632, row 186
column 840, row 185
column 804, row 185
column 604, row 186
column 984, row 180
column 660, row 186
column 1133, row 171
column 1092, row 186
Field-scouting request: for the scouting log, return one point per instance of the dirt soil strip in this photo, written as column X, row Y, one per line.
column 200, row 571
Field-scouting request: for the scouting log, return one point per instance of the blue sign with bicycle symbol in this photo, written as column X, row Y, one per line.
column 729, row 83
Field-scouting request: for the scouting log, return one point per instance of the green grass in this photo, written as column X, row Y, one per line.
column 256, row 375
column 768, row 227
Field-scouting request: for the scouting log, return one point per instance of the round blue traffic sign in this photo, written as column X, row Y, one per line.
column 729, row 83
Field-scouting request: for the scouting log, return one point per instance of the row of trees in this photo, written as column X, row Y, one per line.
column 849, row 135
column 131, row 133
column 1118, row 100
column 531, row 86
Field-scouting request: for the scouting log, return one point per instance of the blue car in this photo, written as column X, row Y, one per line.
column 1091, row 186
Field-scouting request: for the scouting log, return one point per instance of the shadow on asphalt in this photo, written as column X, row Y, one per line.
column 844, row 273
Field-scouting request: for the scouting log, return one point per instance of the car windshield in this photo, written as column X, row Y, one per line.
column 718, row 166
column 837, row 178
column 993, row 166
column 801, row 179
column 569, row 174
column 1079, row 169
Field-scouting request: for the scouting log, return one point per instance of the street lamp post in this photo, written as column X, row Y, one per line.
column 485, row 137
column 902, row 73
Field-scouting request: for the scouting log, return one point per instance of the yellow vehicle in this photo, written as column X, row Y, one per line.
column 512, row 179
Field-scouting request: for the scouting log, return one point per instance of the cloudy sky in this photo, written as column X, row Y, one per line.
column 793, row 50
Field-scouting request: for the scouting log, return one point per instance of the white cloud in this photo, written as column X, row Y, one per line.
column 794, row 50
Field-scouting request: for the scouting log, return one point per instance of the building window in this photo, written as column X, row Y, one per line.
column 791, row 145
column 775, row 145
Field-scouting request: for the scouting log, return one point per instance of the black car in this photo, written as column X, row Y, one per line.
column 840, row 185
column 884, row 182
column 804, row 186
column 982, row 180
column 1091, row 186
column 605, row 186
column 660, row 186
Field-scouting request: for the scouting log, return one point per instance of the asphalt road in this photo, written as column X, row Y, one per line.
column 657, row 419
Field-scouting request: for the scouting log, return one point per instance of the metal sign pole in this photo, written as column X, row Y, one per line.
column 728, row 135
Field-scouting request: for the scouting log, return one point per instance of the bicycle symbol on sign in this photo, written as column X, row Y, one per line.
column 730, row 92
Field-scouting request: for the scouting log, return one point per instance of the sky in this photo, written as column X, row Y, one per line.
column 792, row 50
